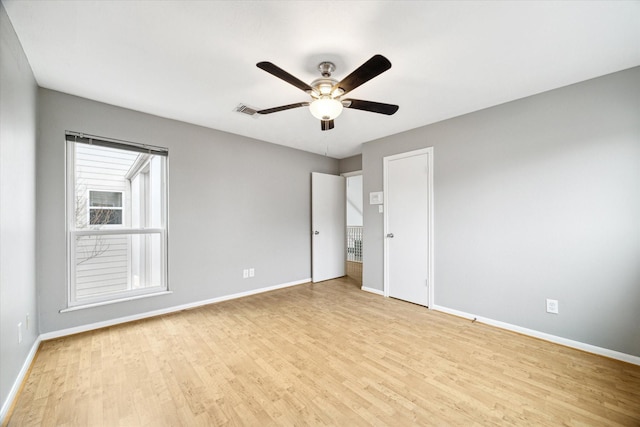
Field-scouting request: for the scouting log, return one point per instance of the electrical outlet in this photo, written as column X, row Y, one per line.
column 252, row 272
column 552, row 306
column 19, row 332
column 245, row 273
column 26, row 323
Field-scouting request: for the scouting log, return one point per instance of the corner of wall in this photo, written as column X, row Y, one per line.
column 18, row 307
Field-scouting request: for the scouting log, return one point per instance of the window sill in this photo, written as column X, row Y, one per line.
column 113, row 301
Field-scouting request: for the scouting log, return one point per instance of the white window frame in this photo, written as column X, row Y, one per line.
column 73, row 303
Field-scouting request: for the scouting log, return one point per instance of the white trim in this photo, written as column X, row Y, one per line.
column 117, row 231
column 19, row 380
column 373, row 291
column 113, row 301
column 354, row 173
column 70, row 217
column 600, row 351
column 112, row 322
column 142, row 162
column 430, row 221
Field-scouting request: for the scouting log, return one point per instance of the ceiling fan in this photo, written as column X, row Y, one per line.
column 326, row 92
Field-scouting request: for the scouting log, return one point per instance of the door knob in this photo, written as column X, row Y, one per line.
column 316, row 232
column 390, row 235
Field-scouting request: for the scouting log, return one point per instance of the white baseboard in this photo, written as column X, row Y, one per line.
column 635, row 360
column 112, row 322
column 373, row 291
column 18, row 382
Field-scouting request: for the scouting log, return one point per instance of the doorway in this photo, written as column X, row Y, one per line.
column 408, row 226
column 354, row 205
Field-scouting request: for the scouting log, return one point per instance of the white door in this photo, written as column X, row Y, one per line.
column 327, row 226
column 407, row 194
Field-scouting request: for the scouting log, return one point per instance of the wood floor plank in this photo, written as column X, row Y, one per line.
column 320, row 354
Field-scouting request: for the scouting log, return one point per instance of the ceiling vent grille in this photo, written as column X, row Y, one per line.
column 241, row 108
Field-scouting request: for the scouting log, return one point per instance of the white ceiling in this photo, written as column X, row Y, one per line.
column 194, row 61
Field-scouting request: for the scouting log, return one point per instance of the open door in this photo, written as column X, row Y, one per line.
column 327, row 226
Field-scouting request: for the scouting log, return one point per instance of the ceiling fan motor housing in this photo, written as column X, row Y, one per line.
column 322, row 87
column 326, row 68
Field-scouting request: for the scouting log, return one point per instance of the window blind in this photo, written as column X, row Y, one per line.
column 112, row 143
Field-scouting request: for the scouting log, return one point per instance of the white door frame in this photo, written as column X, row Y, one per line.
column 385, row 169
column 354, row 173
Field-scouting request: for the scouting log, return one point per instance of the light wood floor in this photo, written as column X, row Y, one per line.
column 321, row 354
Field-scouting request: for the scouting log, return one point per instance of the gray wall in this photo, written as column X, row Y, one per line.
column 351, row 164
column 17, row 206
column 234, row 203
column 537, row 198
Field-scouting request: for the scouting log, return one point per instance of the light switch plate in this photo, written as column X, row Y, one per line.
column 375, row 198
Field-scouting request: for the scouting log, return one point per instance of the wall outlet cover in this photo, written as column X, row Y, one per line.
column 552, row 306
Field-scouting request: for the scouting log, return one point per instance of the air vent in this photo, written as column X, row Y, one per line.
column 241, row 108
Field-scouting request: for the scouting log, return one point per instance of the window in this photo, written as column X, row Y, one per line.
column 105, row 207
column 117, row 215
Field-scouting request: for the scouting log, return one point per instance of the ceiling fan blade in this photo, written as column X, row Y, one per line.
column 282, row 74
column 326, row 124
column 375, row 66
column 282, row 108
column 374, row 107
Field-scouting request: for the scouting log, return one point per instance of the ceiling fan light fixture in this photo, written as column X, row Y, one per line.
column 325, row 89
column 325, row 108
column 337, row 92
